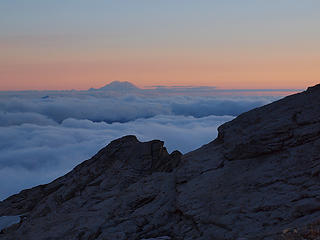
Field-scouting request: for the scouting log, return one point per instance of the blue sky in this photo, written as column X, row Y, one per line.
column 220, row 43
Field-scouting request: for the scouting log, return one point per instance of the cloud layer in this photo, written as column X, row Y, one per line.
column 33, row 154
column 44, row 136
column 17, row 110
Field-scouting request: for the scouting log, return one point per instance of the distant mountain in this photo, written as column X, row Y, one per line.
column 259, row 179
column 117, row 86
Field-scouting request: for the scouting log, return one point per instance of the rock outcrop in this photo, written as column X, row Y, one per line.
column 258, row 179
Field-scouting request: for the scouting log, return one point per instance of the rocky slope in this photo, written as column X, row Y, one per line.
column 259, row 177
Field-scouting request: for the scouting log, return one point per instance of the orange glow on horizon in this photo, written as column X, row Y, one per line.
column 81, row 76
column 22, row 69
column 243, row 45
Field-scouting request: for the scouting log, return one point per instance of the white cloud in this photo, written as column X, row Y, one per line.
column 17, row 118
column 43, row 138
column 86, row 105
column 33, row 154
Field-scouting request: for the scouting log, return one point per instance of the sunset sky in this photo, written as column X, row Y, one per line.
column 78, row 44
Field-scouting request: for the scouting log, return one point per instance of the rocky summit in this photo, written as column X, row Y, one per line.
column 259, row 179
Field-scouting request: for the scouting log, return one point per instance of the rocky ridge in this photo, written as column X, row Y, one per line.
column 259, row 177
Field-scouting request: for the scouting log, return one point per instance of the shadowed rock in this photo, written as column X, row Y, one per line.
column 289, row 122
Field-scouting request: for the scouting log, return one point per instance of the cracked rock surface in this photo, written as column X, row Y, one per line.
column 260, row 176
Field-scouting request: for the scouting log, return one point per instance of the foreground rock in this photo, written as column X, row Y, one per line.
column 258, row 180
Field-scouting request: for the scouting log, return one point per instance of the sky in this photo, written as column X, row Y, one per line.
column 232, row 44
column 81, row 44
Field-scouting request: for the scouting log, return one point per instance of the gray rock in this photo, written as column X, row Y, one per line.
column 259, row 177
column 7, row 221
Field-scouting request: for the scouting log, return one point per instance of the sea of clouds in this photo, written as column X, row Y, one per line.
column 43, row 135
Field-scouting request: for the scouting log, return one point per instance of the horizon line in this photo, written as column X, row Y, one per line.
column 176, row 87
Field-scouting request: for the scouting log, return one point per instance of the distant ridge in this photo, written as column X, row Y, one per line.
column 117, row 86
